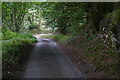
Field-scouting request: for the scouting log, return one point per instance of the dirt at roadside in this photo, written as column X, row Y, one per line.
column 78, row 58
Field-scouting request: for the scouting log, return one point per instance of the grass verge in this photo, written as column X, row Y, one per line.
column 57, row 37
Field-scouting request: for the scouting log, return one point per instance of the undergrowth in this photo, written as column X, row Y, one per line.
column 102, row 49
column 57, row 37
column 104, row 59
column 13, row 43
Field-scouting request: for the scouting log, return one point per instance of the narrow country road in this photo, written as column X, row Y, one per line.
column 48, row 61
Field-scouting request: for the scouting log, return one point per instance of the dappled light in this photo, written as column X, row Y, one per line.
column 60, row 39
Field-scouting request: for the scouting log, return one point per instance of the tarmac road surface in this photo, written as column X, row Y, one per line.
column 48, row 61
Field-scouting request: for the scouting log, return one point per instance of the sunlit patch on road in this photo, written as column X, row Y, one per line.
column 38, row 35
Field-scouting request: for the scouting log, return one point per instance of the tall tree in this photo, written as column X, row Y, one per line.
column 13, row 14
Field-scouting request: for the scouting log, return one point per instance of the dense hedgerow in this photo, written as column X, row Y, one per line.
column 13, row 43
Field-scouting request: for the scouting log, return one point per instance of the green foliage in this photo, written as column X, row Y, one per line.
column 34, row 26
column 61, row 37
column 70, row 18
column 91, row 37
column 57, row 37
column 11, row 51
column 6, row 35
column 96, row 12
column 84, row 19
column 65, row 16
column 115, row 16
column 24, row 37
column 106, row 61
column 14, row 13
column 13, row 43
